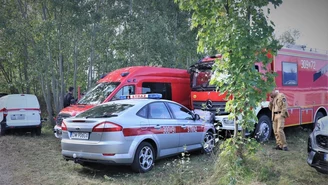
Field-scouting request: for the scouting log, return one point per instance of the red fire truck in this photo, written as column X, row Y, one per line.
column 173, row 84
column 302, row 77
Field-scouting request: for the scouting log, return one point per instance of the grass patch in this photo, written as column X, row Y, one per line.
column 37, row 160
column 276, row 167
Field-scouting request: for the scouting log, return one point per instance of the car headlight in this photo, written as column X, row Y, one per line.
column 228, row 121
column 317, row 127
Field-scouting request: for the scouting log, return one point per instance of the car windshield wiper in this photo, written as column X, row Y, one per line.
column 102, row 116
column 81, row 104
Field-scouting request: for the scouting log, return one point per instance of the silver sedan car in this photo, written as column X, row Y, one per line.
column 134, row 132
column 318, row 146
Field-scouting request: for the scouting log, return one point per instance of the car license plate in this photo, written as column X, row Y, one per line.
column 17, row 117
column 325, row 157
column 80, row 135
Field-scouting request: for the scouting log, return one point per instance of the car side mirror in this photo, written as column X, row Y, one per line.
column 196, row 117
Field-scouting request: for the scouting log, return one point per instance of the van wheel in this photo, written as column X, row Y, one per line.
column 144, row 158
column 263, row 129
column 2, row 130
column 33, row 131
column 38, row 131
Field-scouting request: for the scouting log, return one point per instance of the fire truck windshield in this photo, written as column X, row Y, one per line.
column 200, row 75
column 99, row 93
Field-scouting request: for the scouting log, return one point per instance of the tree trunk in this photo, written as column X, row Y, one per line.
column 46, row 95
column 75, row 64
column 61, row 76
column 23, row 9
column 21, row 87
column 25, row 64
column 50, row 68
column 90, row 71
column 235, row 134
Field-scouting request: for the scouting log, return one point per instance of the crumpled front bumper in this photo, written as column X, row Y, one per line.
column 221, row 121
column 225, row 123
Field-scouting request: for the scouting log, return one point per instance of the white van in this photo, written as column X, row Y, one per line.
column 20, row 111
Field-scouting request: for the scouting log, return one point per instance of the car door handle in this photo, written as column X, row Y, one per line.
column 158, row 126
column 184, row 126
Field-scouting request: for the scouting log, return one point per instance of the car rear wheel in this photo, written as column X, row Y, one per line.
column 144, row 158
column 263, row 129
column 209, row 143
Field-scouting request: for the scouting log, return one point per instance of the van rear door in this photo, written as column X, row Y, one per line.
column 23, row 110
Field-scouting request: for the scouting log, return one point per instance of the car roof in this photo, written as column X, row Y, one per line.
column 137, row 101
column 19, row 101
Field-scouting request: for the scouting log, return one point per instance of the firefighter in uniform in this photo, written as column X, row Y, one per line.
column 278, row 106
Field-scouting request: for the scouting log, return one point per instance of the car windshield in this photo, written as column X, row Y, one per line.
column 105, row 110
column 99, row 93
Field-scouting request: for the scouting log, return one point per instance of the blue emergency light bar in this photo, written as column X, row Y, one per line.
column 141, row 96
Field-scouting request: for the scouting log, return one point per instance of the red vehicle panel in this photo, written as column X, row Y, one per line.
column 172, row 83
column 302, row 77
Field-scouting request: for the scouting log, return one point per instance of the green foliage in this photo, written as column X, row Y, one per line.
column 231, row 167
column 36, row 35
column 181, row 167
column 240, row 32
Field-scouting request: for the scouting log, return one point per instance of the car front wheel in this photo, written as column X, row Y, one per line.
column 209, row 143
column 144, row 158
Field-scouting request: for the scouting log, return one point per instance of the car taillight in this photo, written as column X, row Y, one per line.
column 107, row 127
column 63, row 126
column 4, row 110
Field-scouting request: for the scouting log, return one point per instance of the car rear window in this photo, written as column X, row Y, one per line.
column 105, row 110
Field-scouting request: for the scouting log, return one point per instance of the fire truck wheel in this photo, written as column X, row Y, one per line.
column 317, row 117
column 144, row 158
column 263, row 129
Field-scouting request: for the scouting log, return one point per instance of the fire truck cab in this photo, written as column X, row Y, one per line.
column 173, row 84
column 302, row 77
